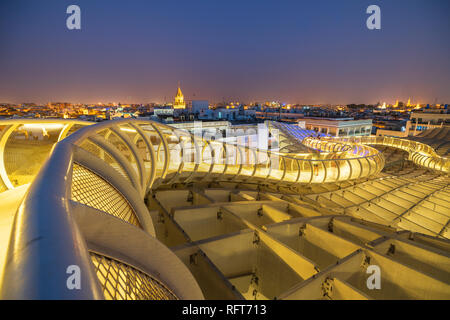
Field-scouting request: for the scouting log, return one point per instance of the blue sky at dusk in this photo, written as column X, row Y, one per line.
column 292, row 51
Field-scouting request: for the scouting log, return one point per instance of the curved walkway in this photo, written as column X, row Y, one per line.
column 420, row 153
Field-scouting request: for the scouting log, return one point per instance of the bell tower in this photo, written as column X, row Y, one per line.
column 179, row 100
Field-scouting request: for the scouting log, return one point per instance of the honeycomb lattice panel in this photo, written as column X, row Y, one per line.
column 91, row 190
column 122, row 282
column 105, row 156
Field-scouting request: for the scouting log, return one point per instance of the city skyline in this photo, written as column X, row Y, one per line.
column 298, row 52
column 173, row 100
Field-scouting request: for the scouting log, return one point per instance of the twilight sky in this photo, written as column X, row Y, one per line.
column 315, row 51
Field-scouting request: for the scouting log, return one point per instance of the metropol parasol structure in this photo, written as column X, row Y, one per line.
column 144, row 210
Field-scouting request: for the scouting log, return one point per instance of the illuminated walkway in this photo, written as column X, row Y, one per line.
column 156, row 153
column 78, row 210
column 420, row 153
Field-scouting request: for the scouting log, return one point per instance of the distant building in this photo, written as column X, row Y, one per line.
column 226, row 114
column 338, row 127
column 432, row 118
column 210, row 128
column 200, row 106
column 163, row 111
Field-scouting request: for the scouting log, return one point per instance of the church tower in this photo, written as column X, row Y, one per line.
column 179, row 100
